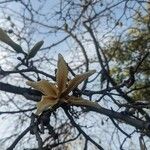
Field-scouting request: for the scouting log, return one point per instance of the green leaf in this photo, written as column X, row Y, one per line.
column 7, row 40
column 35, row 49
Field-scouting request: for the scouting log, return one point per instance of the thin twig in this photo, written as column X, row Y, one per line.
column 81, row 131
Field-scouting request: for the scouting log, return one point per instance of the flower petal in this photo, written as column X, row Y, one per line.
column 62, row 73
column 76, row 81
column 45, row 103
column 79, row 101
column 74, row 98
column 45, row 87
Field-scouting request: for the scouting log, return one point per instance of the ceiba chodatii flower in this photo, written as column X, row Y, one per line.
column 59, row 91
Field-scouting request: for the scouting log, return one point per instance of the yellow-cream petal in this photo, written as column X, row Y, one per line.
column 76, row 81
column 79, row 101
column 48, row 89
column 62, row 73
column 45, row 103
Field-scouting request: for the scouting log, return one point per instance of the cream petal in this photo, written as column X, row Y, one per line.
column 62, row 73
column 74, row 98
column 45, row 103
column 76, row 81
column 79, row 101
column 48, row 89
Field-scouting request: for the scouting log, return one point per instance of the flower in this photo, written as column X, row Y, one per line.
column 59, row 91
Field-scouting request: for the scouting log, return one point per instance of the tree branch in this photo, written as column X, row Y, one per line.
column 81, row 131
column 93, row 106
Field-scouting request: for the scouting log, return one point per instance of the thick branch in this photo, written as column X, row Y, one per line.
column 93, row 106
column 27, row 93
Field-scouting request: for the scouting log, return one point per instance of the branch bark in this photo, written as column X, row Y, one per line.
column 93, row 106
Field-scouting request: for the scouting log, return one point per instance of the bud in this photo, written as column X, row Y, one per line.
column 7, row 40
column 35, row 49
